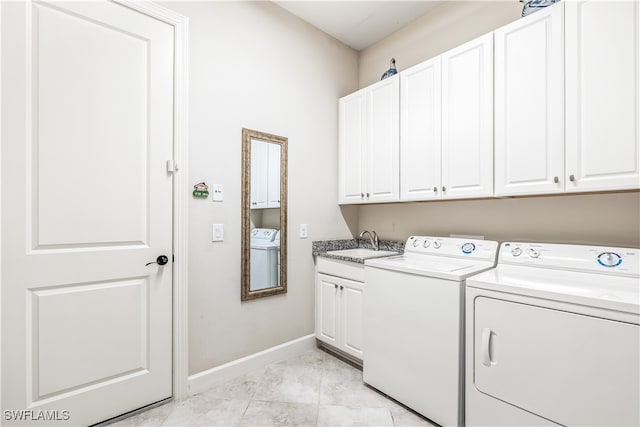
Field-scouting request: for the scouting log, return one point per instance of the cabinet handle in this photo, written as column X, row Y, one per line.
column 435, row 189
column 555, row 179
column 572, row 178
column 362, row 195
column 444, row 188
column 341, row 287
column 335, row 286
column 367, row 195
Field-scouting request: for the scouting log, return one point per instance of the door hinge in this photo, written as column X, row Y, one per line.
column 172, row 166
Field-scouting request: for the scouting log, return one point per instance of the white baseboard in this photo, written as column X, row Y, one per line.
column 204, row 380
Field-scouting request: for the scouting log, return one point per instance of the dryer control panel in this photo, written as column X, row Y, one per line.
column 621, row 261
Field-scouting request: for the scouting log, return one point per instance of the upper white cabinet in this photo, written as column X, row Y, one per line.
column 529, row 105
column 420, row 126
column 369, row 144
column 467, row 119
column 602, row 95
column 265, row 175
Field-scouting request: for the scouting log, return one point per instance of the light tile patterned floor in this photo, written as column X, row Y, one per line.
column 314, row 389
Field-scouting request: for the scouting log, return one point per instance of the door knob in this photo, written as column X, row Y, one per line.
column 161, row 260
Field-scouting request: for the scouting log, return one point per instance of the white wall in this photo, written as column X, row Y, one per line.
column 607, row 219
column 254, row 65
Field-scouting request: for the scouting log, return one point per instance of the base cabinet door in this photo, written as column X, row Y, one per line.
column 327, row 309
column 339, row 313
column 602, row 93
column 529, row 105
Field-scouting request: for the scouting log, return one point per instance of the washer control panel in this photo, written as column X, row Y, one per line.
column 625, row 261
column 453, row 247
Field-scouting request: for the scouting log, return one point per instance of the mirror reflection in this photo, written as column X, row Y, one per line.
column 264, row 214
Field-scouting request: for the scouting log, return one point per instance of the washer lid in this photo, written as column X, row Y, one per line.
column 591, row 289
column 432, row 266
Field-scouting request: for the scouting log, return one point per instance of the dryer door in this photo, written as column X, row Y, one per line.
column 569, row 368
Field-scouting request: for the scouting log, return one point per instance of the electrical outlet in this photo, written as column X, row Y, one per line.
column 304, row 232
column 218, row 233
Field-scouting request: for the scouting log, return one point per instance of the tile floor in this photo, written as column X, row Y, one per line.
column 314, row 389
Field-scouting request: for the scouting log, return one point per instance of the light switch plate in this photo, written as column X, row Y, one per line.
column 216, row 189
column 218, row 233
column 304, row 232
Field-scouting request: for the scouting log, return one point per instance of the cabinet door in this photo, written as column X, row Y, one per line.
column 273, row 176
column 529, row 105
column 259, row 169
column 383, row 139
column 420, row 124
column 352, row 128
column 602, row 92
column 327, row 294
column 467, row 119
column 351, row 317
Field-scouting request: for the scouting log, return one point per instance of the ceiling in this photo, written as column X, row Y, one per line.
column 358, row 24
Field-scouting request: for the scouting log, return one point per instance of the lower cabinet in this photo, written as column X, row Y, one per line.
column 339, row 313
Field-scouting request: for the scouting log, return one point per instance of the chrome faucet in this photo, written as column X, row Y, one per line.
column 373, row 238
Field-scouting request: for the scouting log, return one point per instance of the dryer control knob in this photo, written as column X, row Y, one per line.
column 469, row 247
column 437, row 244
column 416, row 243
column 516, row 251
column 534, row 253
column 609, row 259
column 426, row 244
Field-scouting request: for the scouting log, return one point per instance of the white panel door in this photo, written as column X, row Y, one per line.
column 602, row 95
column 259, row 173
column 351, row 317
column 87, row 104
column 383, row 139
column 273, row 190
column 529, row 105
column 568, row 368
column 327, row 294
column 467, row 119
column 351, row 156
column 420, row 125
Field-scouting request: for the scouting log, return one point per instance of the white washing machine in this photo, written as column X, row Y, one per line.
column 413, row 324
column 553, row 337
column 265, row 250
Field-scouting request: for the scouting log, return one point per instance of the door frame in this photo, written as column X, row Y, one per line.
column 180, row 335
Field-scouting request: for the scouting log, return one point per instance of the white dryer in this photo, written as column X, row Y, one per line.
column 265, row 251
column 413, row 322
column 553, row 337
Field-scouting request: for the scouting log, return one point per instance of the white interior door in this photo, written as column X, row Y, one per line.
column 87, row 104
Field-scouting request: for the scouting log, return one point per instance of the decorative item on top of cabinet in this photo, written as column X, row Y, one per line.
column 602, row 56
column 529, row 103
column 391, row 71
column 369, row 144
column 535, row 5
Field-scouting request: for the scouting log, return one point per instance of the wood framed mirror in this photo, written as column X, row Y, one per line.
column 264, row 215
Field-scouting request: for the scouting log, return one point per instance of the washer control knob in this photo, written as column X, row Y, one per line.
column 416, row 243
column 436, row 245
column 609, row 259
column 426, row 244
column 517, row 251
column 468, row 247
column 533, row 253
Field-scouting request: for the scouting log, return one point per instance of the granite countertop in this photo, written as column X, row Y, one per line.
column 321, row 247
